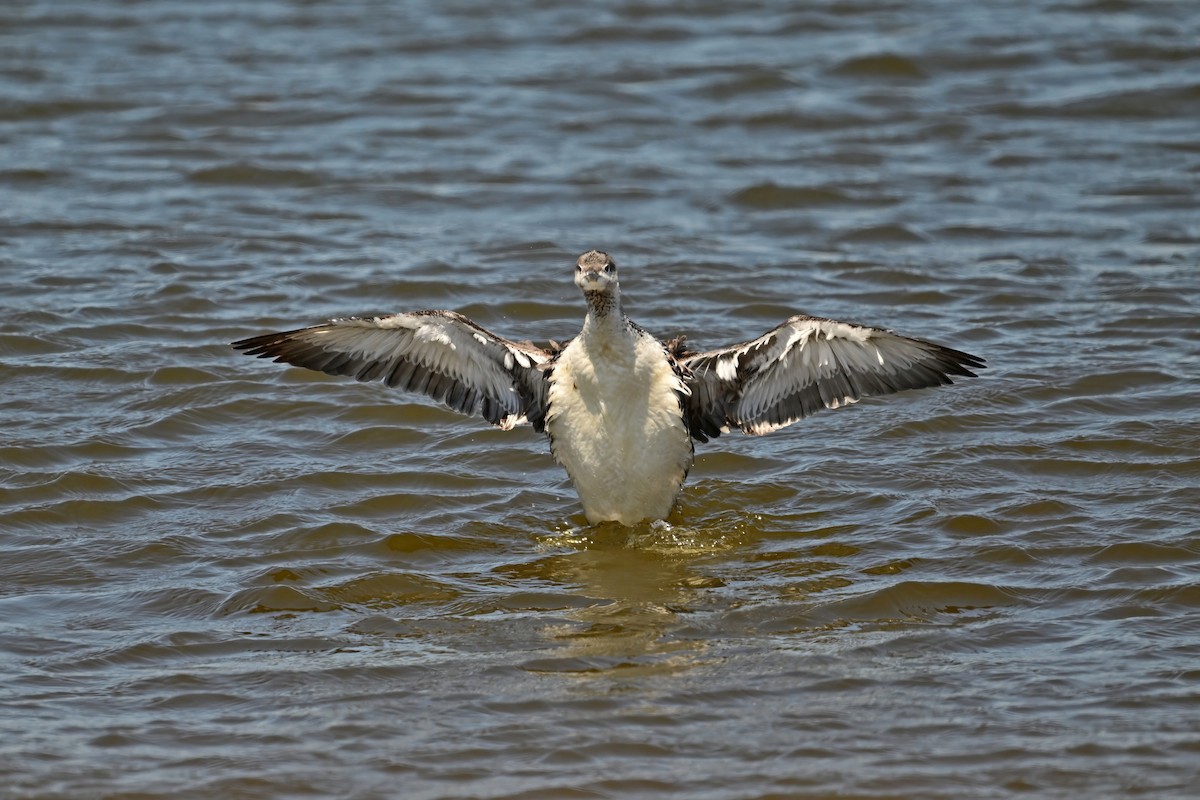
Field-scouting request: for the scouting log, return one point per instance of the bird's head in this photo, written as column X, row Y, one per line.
column 596, row 272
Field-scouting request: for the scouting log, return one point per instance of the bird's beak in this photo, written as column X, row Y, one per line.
column 592, row 275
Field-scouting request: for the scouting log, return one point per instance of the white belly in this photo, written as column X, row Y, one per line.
column 616, row 426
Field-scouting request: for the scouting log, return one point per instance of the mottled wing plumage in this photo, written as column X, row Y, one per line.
column 805, row 365
column 438, row 353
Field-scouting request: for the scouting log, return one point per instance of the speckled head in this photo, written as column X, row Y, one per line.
column 595, row 271
column 596, row 277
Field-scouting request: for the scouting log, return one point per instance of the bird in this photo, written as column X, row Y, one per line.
column 622, row 408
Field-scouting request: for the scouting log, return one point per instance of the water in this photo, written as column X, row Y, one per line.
column 223, row 578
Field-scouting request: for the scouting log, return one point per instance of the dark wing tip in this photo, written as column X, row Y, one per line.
column 263, row 346
column 958, row 362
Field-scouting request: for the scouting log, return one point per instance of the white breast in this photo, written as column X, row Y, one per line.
column 615, row 424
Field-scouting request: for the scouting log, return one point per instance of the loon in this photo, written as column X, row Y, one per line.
column 621, row 407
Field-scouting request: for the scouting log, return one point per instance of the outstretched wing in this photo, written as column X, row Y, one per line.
column 439, row 353
column 805, row 365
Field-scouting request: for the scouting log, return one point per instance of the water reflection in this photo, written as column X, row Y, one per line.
column 641, row 586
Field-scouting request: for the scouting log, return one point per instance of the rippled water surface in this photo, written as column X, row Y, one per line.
column 221, row 577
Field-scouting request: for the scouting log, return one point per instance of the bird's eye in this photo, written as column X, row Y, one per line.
column 608, row 267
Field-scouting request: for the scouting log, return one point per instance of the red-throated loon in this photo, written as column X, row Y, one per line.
column 621, row 408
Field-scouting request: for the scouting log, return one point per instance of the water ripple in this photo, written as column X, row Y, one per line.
column 212, row 563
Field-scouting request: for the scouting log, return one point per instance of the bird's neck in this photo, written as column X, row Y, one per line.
column 605, row 320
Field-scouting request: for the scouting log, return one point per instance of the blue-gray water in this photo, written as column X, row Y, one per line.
column 221, row 577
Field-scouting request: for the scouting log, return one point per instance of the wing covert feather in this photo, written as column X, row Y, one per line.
column 441, row 354
column 808, row 364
